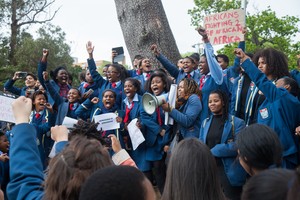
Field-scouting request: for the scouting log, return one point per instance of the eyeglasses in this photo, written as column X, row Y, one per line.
column 111, row 72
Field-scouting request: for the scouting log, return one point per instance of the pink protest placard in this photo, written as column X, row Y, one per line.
column 225, row 27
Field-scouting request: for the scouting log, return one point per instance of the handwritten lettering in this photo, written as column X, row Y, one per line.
column 225, row 27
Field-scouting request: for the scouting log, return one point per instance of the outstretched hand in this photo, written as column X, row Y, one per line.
column 89, row 48
column 22, row 107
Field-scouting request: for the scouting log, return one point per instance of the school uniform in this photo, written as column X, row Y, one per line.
column 64, row 108
column 151, row 130
column 233, row 71
column 231, row 173
column 133, row 72
column 280, row 111
column 42, row 66
column 245, row 90
column 103, row 84
column 84, row 87
column 295, row 74
column 9, row 86
column 139, row 154
column 152, row 125
column 26, row 169
column 188, row 117
column 43, row 121
column 178, row 74
column 143, row 79
column 211, row 81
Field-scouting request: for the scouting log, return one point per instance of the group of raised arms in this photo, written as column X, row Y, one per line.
column 235, row 131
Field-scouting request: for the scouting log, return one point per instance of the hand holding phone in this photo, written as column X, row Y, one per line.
column 21, row 75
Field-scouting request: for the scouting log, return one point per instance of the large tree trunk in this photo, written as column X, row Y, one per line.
column 14, row 33
column 144, row 22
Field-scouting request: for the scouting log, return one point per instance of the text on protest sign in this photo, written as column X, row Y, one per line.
column 107, row 121
column 225, row 27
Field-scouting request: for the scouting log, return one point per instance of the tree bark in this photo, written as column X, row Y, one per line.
column 14, row 33
column 144, row 22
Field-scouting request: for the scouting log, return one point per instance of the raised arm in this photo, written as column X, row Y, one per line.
column 26, row 170
column 270, row 91
column 9, row 85
column 92, row 66
column 213, row 65
column 42, row 66
column 168, row 65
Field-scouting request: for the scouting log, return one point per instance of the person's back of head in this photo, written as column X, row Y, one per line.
column 273, row 184
column 192, row 173
column 259, row 148
column 69, row 169
column 117, row 183
column 290, row 84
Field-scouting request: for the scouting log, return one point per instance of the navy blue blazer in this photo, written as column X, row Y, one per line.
column 151, row 130
column 9, row 86
column 188, row 117
column 226, row 150
column 105, row 84
column 178, row 74
column 26, row 177
column 280, row 110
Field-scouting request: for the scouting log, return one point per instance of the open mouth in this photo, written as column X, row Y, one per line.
column 107, row 104
column 156, row 90
column 128, row 93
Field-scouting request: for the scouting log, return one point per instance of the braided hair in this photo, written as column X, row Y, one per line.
column 191, row 87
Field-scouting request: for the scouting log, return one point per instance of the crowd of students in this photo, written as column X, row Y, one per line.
column 232, row 125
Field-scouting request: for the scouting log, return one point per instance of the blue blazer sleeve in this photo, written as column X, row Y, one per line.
column 228, row 149
column 9, row 86
column 214, row 67
column 100, row 81
column 188, row 118
column 53, row 93
column 26, row 170
column 60, row 146
column 85, row 109
column 270, row 91
column 42, row 66
column 170, row 67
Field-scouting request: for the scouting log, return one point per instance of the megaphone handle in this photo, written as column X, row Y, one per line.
column 117, row 133
column 117, row 130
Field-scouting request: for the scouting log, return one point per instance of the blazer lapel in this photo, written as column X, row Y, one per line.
column 206, row 127
column 226, row 131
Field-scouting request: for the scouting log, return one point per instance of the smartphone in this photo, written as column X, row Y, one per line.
column 90, row 91
column 22, row 74
column 119, row 50
column 120, row 54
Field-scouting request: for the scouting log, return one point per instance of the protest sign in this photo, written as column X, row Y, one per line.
column 225, row 27
column 6, row 113
column 107, row 121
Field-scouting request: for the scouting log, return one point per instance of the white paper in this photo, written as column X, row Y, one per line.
column 135, row 134
column 107, row 121
column 69, row 122
column 6, row 113
column 172, row 101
